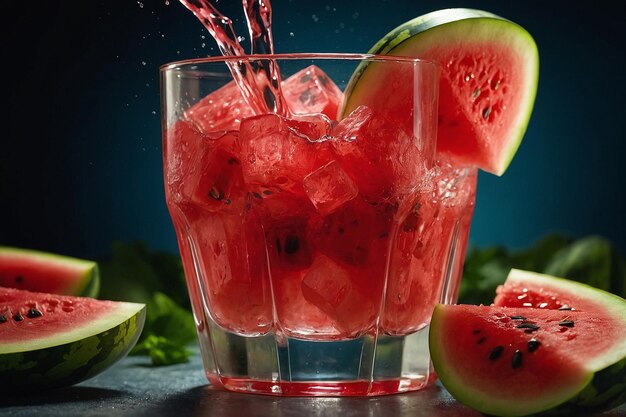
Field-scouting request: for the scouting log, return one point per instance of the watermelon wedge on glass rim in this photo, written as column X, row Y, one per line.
column 488, row 83
column 546, row 345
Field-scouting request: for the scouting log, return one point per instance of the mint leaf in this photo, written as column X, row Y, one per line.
column 168, row 330
column 162, row 351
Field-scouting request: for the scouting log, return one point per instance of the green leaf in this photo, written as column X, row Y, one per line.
column 162, row 351
column 135, row 273
column 593, row 261
column 168, row 330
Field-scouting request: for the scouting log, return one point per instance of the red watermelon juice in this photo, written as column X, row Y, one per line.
column 315, row 243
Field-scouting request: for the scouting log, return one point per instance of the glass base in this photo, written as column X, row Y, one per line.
column 278, row 365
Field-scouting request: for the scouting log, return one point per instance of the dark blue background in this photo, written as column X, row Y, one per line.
column 80, row 162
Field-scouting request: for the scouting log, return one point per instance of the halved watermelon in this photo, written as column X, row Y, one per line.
column 37, row 271
column 49, row 341
column 489, row 75
column 566, row 353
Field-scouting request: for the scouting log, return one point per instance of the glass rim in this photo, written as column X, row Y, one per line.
column 179, row 65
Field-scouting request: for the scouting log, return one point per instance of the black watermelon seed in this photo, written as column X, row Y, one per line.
column 19, row 279
column 565, row 307
column 292, row 244
column 18, row 317
column 518, row 318
column 475, row 331
column 216, row 193
column 529, row 326
column 3, row 319
column 268, row 192
column 481, row 340
column 496, row 352
column 486, row 112
column 533, row 344
column 256, row 195
column 516, row 361
column 33, row 313
column 567, row 323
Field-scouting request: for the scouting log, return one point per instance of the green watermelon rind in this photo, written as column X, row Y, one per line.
column 63, row 363
column 459, row 25
column 603, row 381
column 86, row 280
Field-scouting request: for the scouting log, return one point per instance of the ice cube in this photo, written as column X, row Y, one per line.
column 382, row 158
column 275, row 153
column 223, row 109
column 308, row 91
column 328, row 187
column 311, row 91
column 329, row 287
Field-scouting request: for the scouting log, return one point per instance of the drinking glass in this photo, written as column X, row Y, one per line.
column 316, row 222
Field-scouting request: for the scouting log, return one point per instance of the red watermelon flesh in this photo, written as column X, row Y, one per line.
column 479, row 98
column 25, row 315
column 564, row 350
column 489, row 72
column 46, row 272
column 528, row 289
column 529, row 361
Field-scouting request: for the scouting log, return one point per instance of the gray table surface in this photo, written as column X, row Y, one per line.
column 133, row 388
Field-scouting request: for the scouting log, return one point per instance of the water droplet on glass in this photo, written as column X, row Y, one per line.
column 315, row 18
column 167, row 3
column 355, row 15
column 291, row 34
column 241, row 38
column 140, row 4
column 143, row 63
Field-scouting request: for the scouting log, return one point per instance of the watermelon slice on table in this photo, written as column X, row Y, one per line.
column 489, row 75
column 37, row 271
column 50, row 341
column 565, row 353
